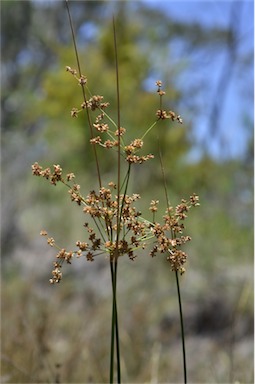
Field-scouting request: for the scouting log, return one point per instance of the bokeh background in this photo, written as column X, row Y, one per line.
column 203, row 53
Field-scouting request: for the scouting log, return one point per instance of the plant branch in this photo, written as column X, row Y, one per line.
column 176, row 273
column 83, row 92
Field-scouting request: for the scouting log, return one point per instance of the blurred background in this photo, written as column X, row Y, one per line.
column 203, row 53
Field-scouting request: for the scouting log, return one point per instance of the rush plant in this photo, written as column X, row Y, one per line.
column 113, row 226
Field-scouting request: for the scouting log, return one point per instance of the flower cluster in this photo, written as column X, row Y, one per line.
column 118, row 228
column 169, row 235
column 115, row 235
column 94, row 103
column 81, row 80
column 54, row 176
column 161, row 113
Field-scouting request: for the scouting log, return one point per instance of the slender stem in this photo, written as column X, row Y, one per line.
column 115, row 255
column 163, row 175
column 117, row 325
column 113, row 326
column 118, row 125
column 83, row 92
column 176, row 274
column 126, row 187
column 149, row 129
column 118, row 207
column 182, row 328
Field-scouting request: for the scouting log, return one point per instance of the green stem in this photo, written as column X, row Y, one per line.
column 83, row 92
column 182, row 328
column 115, row 327
column 126, row 187
column 176, row 273
column 149, row 129
column 116, row 255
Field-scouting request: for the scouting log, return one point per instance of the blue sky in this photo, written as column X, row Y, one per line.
column 238, row 100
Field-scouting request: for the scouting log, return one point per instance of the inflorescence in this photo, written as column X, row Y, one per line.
column 118, row 227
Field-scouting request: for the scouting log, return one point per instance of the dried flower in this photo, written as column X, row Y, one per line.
column 95, row 140
column 72, row 71
column 101, row 127
column 74, row 112
column 82, row 80
column 70, row 176
column 194, row 200
column 153, row 205
column 36, row 169
column 159, row 83
column 57, row 275
column 120, row 132
column 51, row 241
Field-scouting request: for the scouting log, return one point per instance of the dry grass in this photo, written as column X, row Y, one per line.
column 62, row 335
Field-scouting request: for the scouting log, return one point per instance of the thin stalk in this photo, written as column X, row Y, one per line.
column 176, row 275
column 126, row 179
column 163, row 175
column 83, row 92
column 182, row 327
column 114, row 327
column 118, row 208
column 149, row 129
column 126, row 187
column 117, row 325
column 114, row 257
column 118, row 127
